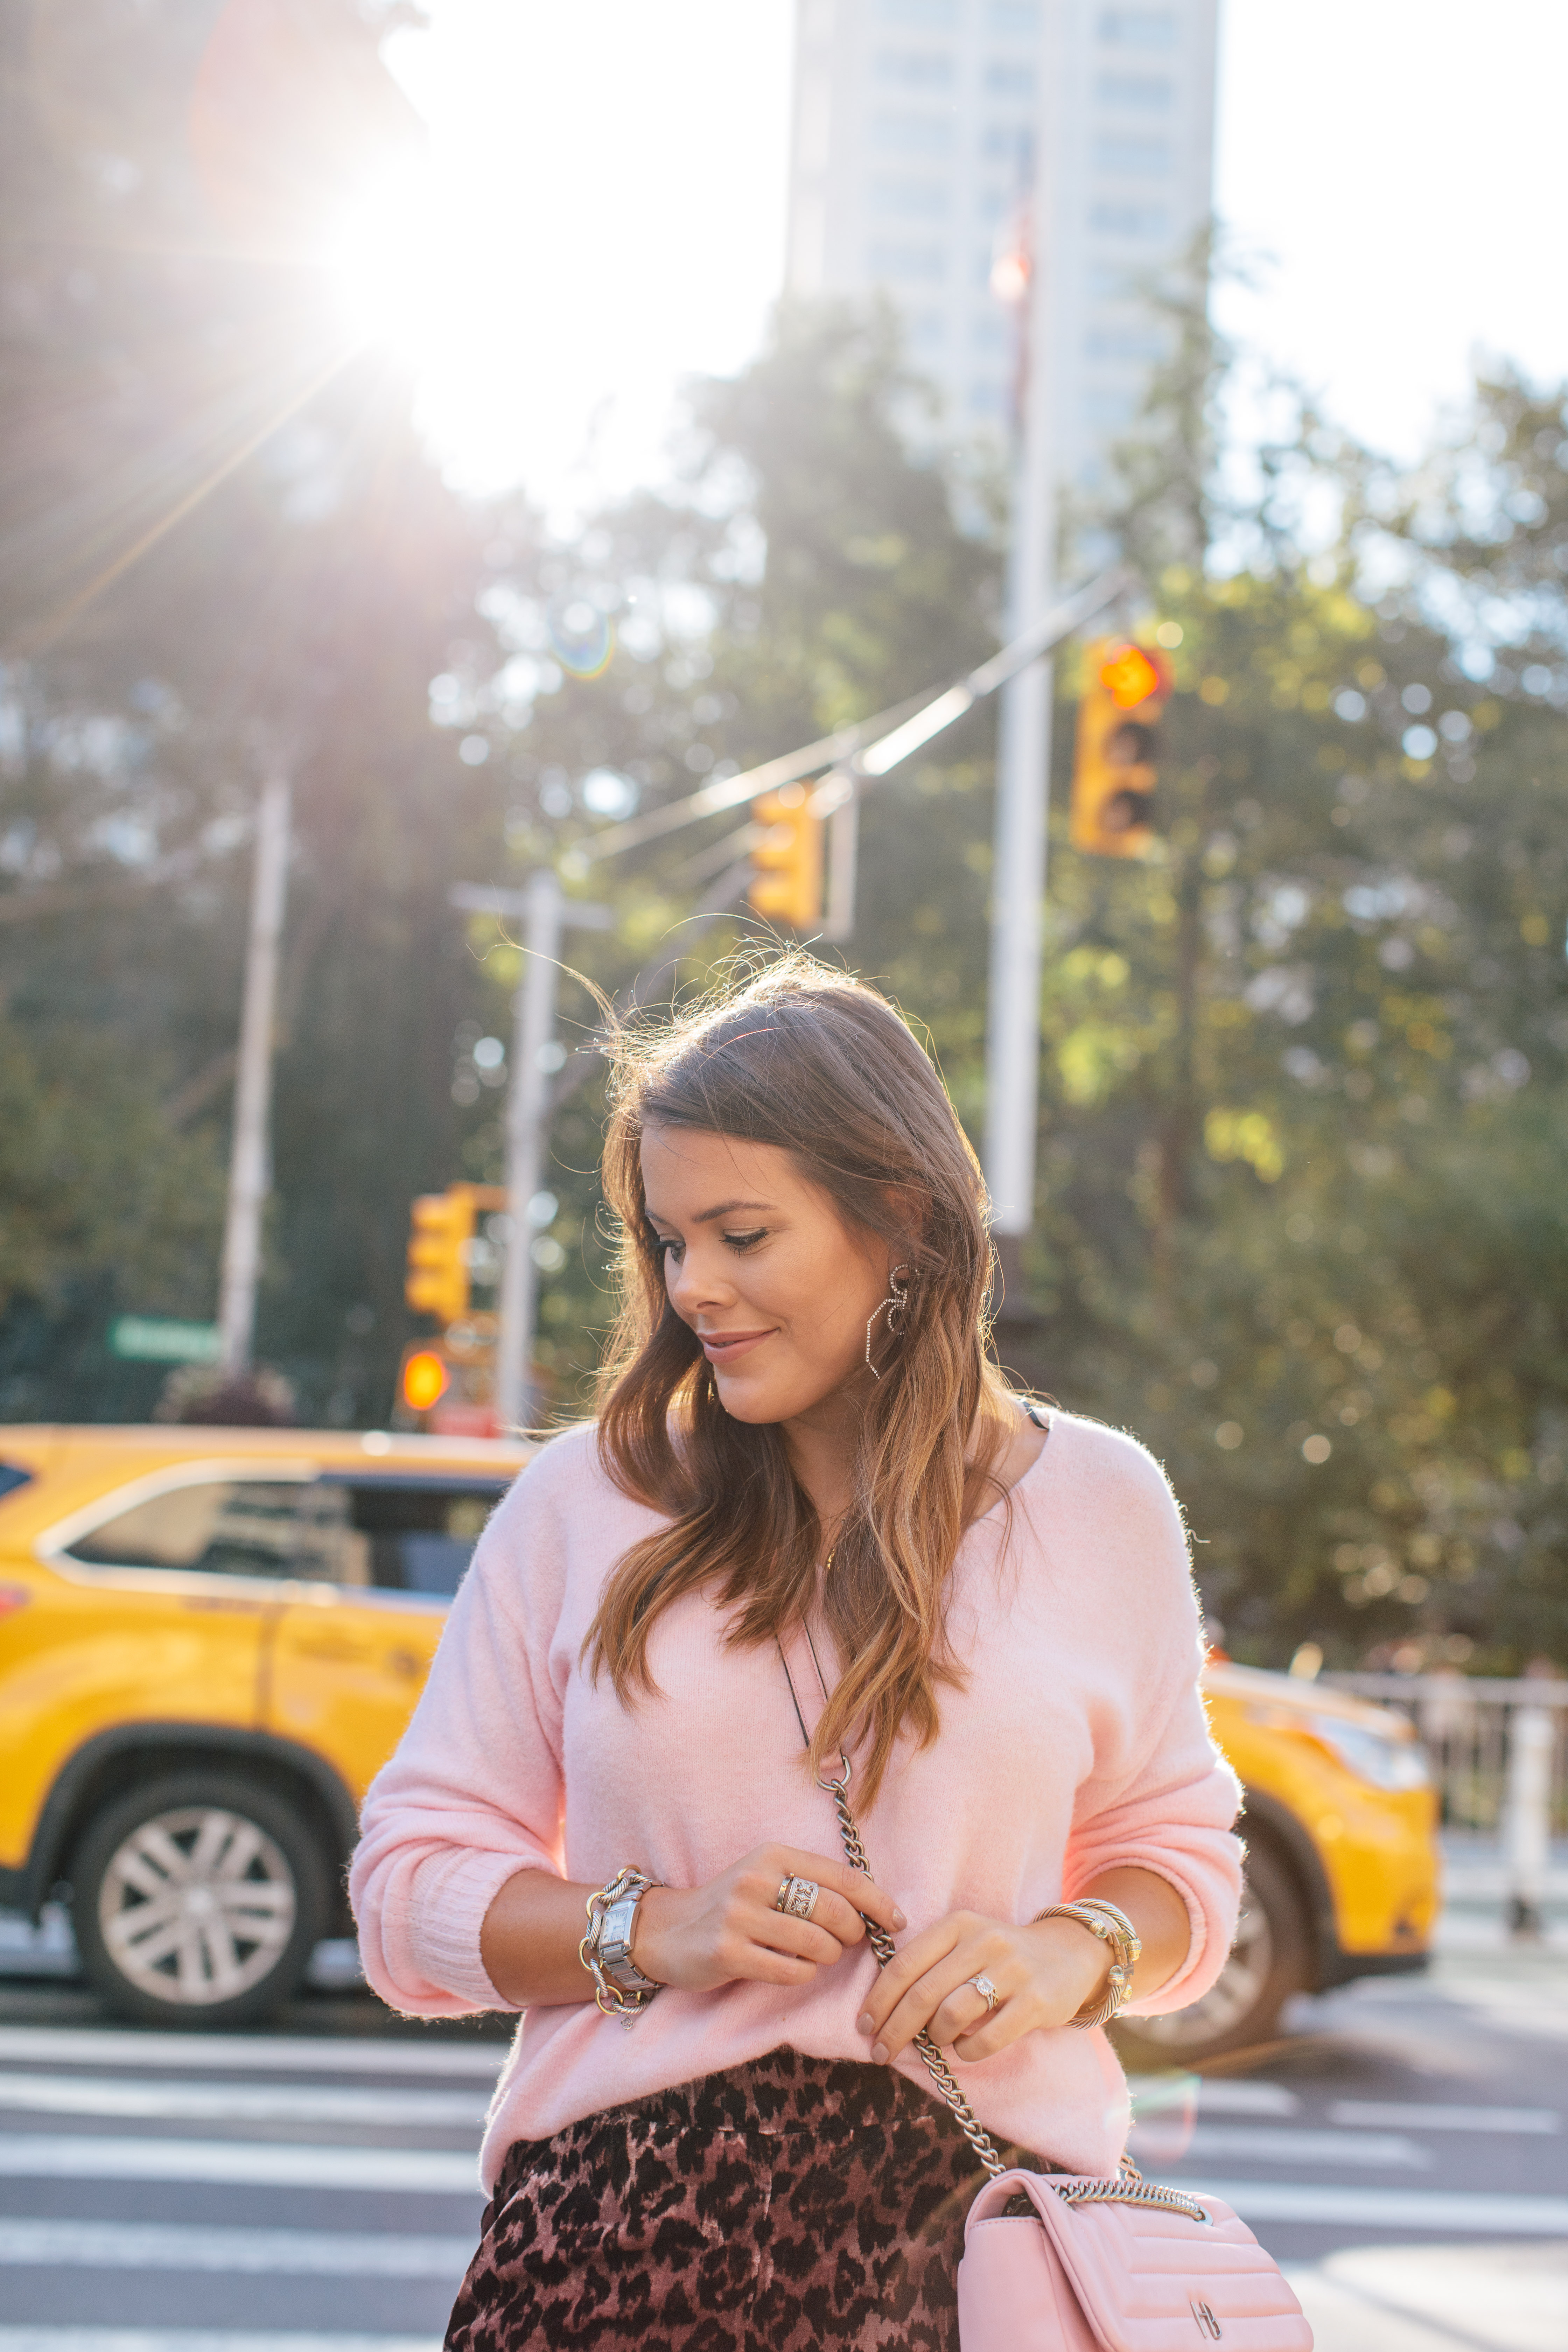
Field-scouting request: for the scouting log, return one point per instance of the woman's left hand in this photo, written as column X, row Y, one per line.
column 1044, row 1974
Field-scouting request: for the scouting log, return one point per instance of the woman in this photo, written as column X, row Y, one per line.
column 810, row 1520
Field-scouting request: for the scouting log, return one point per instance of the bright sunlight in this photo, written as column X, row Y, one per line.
column 600, row 213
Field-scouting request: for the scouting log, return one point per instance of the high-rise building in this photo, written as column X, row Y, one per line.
column 928, row 133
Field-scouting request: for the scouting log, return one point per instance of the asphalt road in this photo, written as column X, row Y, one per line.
column 1404, row 2149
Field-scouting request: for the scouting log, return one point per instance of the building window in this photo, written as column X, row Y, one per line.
column 914, row 69
column 1138, row 28
column 988, row 397
column 1109, row 405
column 888, row 262
column 913, row 134
column 1133, row 159
column 931, row 16
column 1113, row 219
column 1010, row 78
column 911, row 199
column 1008, row 143
column 1141, row 93
column 1139, row 343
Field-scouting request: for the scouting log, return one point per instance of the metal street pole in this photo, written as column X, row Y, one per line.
column 534, row 1025
column 1023, row 764
column 249, row 1166
column 545, row 914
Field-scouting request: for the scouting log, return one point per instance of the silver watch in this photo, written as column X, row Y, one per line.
column 620, row 1925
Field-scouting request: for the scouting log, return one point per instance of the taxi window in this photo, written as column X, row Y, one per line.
column 422, row 1534
column 228, row 1527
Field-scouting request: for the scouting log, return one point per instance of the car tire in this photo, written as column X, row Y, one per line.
column 197, row 1901
column 1269, row 1960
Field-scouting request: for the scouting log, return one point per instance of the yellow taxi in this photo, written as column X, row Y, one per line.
column 1342, row 1879
column 211, row 1639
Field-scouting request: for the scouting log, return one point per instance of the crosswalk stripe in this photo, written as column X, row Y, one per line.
column 266, row 2054
column 1456, row 2212
column 182, row 2246
column 206, row 2101
column 261, row 2164
column 1289, row 2144
column 202, row 2339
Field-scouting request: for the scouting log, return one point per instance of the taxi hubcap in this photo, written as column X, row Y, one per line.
column 196, row 1905
column 1236, row 1991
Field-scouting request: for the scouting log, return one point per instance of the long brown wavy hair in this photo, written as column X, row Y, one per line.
column 810, row 1060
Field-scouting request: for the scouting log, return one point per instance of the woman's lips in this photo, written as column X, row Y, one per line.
column 724, row 1347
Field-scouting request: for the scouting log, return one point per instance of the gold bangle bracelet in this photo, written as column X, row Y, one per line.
column 1114, row 1928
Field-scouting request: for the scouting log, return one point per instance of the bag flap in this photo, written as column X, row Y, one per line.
column 1137, row 2269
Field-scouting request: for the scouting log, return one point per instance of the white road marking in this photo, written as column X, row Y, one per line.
column 418, row 2171
column 159, row 2246
column 202, row 2339
column 1158, row 2094
column 1358, row 2112
column 1266, row 2144
column 1457, row 2212
column 202, row 2100
column 283, row 2053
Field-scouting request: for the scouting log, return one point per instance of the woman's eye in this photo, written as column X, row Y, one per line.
column 745, row 1241
column 661, row 1248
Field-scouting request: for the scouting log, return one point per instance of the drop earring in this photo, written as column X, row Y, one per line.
column 898, row 1299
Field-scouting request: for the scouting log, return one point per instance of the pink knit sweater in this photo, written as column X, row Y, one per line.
column 1078, row 1744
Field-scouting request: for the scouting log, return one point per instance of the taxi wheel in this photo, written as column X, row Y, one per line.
column 1268, row 1961
column 198, row 1900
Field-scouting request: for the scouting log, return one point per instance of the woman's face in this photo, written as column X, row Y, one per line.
column 759, row 1264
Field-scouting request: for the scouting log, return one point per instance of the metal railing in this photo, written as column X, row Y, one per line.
column 1465, row 1722
column 1499, row 1756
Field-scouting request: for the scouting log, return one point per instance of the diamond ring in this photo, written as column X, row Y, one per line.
column 796, row 1898
column 987, row 1991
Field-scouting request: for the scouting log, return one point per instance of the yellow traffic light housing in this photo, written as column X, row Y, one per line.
column 441, row 1226
column 1116, row 768
column 787, row 877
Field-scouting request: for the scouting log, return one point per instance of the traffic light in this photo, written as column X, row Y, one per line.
column 425, row 1379
column 786, row 878
column 441, row 1226
column 1117, row 763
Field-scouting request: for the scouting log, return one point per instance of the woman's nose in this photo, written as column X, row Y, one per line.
column 699, row 1280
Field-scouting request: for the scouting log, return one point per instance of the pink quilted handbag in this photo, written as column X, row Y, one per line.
column 1117, row 2266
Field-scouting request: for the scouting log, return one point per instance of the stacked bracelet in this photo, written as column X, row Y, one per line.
column 1115, row 1928
column 620, row 1986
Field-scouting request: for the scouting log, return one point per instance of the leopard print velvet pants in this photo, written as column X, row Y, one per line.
column 786, row 2206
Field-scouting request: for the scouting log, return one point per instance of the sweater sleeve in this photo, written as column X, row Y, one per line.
column 473, row 1793
column 1160, row 1795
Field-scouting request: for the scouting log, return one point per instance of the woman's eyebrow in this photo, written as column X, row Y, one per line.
column 707, row 1216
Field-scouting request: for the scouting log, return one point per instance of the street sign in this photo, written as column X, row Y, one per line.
column 161, row 1339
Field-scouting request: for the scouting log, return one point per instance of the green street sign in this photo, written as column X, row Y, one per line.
column 160, row 1340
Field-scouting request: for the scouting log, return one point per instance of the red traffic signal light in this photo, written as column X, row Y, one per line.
column 1116, row 768
column 425, row 1379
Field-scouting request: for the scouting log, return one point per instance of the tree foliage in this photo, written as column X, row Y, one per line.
column 1303, row 1110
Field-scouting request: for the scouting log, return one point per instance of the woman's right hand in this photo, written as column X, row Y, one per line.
column 700, row 1937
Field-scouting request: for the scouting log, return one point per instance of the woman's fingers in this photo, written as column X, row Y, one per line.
column 767, row 1869
column 926, row 2004
column 926, row 1950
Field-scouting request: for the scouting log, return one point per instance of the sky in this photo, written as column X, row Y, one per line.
column 609, row 189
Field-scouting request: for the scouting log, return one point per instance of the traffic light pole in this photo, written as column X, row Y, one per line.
column 546, row 913
column 249, row 1171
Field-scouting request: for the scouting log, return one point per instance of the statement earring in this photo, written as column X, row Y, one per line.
column 898, row 1299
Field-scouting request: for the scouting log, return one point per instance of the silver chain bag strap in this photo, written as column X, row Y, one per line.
column 1129, row 2187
